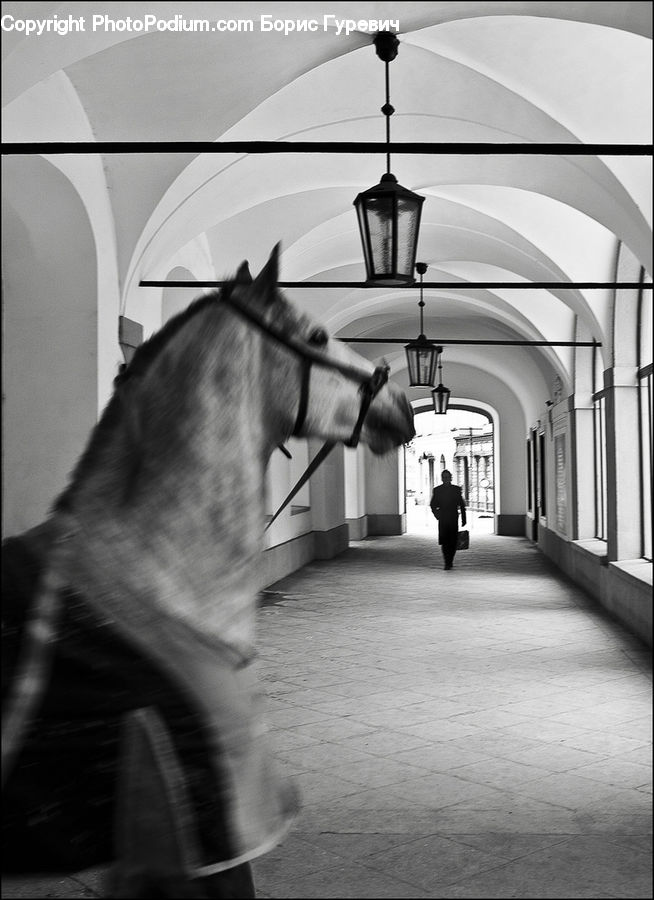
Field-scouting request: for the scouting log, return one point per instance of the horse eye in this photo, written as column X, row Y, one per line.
column 318, row 337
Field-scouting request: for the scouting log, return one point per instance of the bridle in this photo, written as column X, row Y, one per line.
column 370, row 385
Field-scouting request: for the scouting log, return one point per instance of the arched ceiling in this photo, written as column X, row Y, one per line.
column 466, row 72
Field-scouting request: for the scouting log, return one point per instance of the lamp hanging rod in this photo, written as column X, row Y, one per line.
column 450, row 285
column 388, row 111
column 12, row 148
column 445, row 343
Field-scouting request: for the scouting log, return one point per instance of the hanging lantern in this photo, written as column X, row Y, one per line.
column 421, row 354
column 389, row 219
column 440, row 394
column 389, row 214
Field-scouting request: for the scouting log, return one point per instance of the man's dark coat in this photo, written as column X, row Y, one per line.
column 446, row 501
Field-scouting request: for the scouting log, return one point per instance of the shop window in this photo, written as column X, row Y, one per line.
column 298, row 464
column 599, row 447
column 645, row 417
column 645, row 400
column 599, row 457
column 541, row 475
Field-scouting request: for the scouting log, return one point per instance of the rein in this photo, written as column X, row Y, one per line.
column 370, row 385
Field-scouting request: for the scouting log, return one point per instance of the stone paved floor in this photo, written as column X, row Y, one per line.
column 482, row 733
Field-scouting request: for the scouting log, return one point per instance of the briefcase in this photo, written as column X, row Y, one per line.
column 463, row 542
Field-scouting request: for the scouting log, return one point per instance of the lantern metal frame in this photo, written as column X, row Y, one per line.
column 389, row 213
column 421, row 354
column 440, row 394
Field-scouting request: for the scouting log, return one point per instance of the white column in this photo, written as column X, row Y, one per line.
column 327, row 485
column 385, row 504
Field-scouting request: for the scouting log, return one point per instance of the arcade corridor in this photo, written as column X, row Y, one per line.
column 484, row 732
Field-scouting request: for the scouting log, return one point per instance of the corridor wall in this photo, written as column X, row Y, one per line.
column 598, row 465
column 50, row 324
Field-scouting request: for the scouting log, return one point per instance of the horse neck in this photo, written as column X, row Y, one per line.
column 188, row 535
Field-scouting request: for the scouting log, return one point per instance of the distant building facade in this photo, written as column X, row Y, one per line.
column 466, row 452
column 473, row 467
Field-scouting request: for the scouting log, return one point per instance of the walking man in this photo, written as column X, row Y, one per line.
column 446, row 501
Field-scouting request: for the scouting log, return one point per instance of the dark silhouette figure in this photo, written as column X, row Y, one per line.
column 446, row 501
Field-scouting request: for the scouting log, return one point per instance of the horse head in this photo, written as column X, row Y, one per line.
column 239, row 371
column 329, row 391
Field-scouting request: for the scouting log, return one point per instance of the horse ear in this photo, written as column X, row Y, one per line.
column 243, row 276
column 266, row 280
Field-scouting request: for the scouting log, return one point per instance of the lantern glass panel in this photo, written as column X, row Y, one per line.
column 426, row 360
column 381, row 216
column 408, row 219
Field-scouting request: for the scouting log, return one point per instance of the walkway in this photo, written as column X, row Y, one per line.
column 483, row 732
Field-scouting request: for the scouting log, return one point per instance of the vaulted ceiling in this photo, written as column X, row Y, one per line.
column 466, row 72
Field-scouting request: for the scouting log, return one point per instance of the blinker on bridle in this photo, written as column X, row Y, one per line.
column 370, row 385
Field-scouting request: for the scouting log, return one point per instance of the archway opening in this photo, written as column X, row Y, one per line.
column 463, row 442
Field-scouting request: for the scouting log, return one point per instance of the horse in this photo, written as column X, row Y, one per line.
column 134, row 737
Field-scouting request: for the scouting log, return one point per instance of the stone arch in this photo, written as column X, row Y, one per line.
column 625, row 311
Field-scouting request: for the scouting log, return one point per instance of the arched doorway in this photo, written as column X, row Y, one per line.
column 462, row 441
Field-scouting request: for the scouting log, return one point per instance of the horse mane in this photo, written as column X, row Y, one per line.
column 114, row 411
column 286, row 319
column 150, row 349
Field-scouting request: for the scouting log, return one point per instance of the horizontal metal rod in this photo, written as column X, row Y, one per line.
column 440, row 343
column 450, row 285
column 429, row 147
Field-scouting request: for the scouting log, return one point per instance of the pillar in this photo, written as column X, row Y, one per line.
column 385, row 493
column 327, row 485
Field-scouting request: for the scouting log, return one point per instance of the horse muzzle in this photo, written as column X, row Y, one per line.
column 389, row 422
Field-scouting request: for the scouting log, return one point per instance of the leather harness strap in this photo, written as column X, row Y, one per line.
column 369, row 390
column 304, row 398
